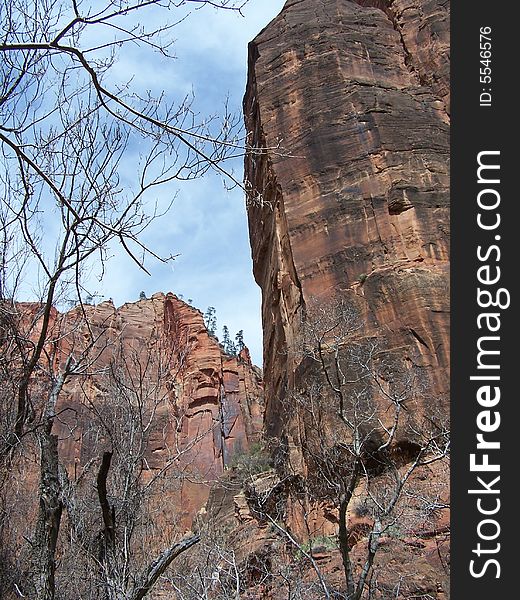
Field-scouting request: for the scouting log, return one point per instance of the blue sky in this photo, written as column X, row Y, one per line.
column 207, row 226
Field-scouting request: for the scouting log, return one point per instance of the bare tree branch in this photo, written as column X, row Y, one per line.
column 159, row 566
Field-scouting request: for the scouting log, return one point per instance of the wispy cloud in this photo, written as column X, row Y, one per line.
column 207, row 226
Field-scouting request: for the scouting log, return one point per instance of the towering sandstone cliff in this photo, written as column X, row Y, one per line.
column 349, row 201
column 351, row 99
column 153, row 364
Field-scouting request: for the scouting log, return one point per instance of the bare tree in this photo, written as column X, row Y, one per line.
column 138, row 418
column 369, row 438
column 68, row 129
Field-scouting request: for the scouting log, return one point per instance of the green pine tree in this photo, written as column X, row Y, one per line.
column 227, row 344
column 239, row 341
column 210, row 320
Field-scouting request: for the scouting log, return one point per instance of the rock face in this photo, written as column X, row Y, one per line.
column 351, row 198
column 350, row 201
column 204, row 406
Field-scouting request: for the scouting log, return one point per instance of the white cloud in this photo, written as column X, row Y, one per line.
column 207, row 225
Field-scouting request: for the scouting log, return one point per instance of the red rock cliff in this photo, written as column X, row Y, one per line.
column 351, row 100
column 204, row 404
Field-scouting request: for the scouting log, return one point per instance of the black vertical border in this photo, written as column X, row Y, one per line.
column 476, row 129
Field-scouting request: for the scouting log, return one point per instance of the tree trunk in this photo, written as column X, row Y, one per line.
column 49, row 518
column 343, row 545
column 344, row 501
column 373, row 545
column 114, row 589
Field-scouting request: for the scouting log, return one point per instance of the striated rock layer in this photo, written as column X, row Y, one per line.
column 350, row 201
column 198, row 406
column 351, row 198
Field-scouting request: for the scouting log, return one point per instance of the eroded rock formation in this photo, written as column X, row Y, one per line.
column 154, row 360
column 350, row 201
column 351, row 197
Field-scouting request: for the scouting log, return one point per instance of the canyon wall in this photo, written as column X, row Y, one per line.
column 348, row 104
column 153, row 364
column 350, row 198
